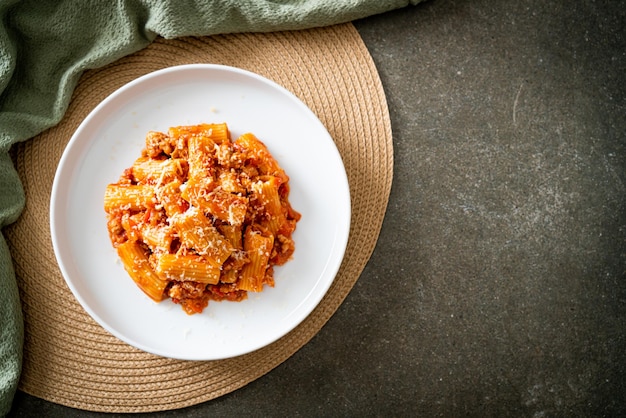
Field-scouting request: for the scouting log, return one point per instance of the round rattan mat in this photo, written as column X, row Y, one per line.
column 68, row 358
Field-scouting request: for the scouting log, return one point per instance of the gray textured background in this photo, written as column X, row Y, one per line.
column 497, row 287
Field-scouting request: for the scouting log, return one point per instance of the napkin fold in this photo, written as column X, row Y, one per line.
column 45, row 45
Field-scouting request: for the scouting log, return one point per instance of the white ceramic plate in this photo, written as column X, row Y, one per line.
column 111, row 138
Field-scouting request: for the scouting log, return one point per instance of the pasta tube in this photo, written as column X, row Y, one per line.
column 135, row 261
column 259, row 248
column 187, row 268
column 196, row 232
column 128, row 197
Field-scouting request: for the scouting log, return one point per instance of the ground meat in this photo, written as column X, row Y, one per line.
column 186, row 290
column 158, row 143
column 283, row 249
column 117, row 234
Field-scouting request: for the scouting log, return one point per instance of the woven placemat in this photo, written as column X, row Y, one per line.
column 68, row 358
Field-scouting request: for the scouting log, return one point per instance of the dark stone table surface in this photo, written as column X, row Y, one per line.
column 498, row 284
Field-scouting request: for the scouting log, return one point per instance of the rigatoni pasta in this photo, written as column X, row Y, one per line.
column 200, row 217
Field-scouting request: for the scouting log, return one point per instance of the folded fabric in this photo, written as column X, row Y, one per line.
column 46, row 45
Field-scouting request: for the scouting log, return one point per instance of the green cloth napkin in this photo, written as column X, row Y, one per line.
column 45, row 45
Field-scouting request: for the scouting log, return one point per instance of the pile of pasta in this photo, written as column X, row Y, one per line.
column 200, row 217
